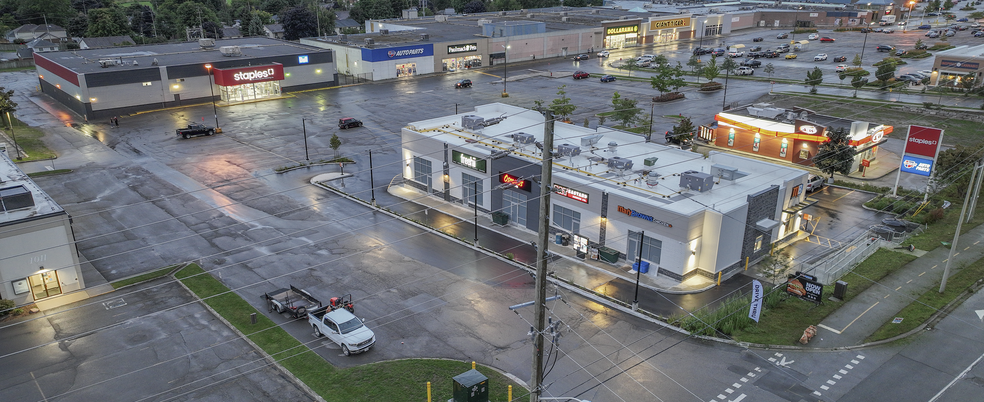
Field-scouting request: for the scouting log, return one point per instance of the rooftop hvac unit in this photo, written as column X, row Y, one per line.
column 568, row 150
column 370, row 41
column 483, row 21
column 522, row 139
column 472, row 122
column 620, row 164
column 230, row 51
column 503, row 13
column 651, row 161
column 531, row 15
column 107, row 63
column 425, row 37
column 384, row 31
column 624, row 17
column 206, row 43
column 591, row 140
column 725, row 172
column 612, row 147
column 441, row 18
column 695, row 180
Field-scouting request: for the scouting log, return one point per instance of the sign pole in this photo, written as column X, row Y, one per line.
column 956, row 235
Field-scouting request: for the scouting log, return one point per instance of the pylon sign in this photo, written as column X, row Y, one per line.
column 922, row 145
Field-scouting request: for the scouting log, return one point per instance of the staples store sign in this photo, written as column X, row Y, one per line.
column 923, row 141
column 249, row 75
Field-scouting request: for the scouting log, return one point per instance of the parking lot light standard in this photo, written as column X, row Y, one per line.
column 215, row 113
column 505, row 69
column 912, row 4
column 863, row 44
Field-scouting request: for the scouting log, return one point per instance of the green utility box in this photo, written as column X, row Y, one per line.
column 500, row 218
column 650, row 161
column 471, row 386
column 608, row 255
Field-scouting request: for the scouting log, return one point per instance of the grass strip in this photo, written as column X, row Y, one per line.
column 50, row 172
column 401, row 380
column 920, row 310
column 143, row 278
column 784, row 324
column 29, row 141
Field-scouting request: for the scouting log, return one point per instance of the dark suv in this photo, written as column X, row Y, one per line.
column 702, row 50
column 885, row 48
column 463, row 84
column 751, row 63
column 349, row 122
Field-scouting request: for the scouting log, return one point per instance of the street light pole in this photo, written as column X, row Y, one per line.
column 909, row 16
column 505, row 69
column 635, row 300
column 372, row 185
column 724, row 100
column 475, row 201
column 212, row 92
column 652, row 110
column 304, row 129
column 10, row 123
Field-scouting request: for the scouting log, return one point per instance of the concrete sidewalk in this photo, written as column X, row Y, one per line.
column 857, row 319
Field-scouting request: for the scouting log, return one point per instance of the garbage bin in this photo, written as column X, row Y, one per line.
column 644, row 269
column 557, row 239
column 608, row 254
column 840, row 290
column 565, row 239
column 500, row 218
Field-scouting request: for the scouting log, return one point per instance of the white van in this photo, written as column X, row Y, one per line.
column 646, row 57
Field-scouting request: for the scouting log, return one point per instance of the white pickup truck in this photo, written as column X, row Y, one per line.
column 343, row 328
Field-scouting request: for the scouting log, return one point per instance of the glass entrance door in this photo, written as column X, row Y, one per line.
column 514, row 205
column 45, row 284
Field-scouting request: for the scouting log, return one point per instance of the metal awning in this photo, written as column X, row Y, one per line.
column 766, row 225
column 801, row 206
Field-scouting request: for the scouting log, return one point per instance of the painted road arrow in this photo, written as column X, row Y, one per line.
column 980, row 314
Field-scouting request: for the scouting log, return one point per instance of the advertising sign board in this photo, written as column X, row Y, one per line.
column 923, row 141
column 248, row 75
column 805, row 287
column 920, row 166
column 471, row 162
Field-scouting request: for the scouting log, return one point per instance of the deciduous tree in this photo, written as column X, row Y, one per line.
column 813, row 78
column 835, row 155
column 668, row 79
column 625, row 109
column 299, row 22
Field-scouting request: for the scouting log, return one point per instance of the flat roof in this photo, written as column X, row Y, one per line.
column 177, row 54
column 963, row 51
column 590, row 168
column 11, row 177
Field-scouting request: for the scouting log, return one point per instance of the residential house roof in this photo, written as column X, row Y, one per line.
column 106, row 41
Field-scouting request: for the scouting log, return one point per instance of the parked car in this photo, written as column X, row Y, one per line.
column 933, row 34
column 702, row 50
column 963, row 20
column 580, row 57
column 841, row 68
column 840, row 59
column 925, row 26
column 603, row 53
column 757, row 39
column 951, row 33
column 877, row 29
column 751, row 63
column 901, row 52
column 753, row 55
column 790, row 56
column 783, row 48
column 909, row 78
column 607, row 78
column 922, row 46
column 888, row 30
column 770, row 54
column 755, row 49
column 349, row 122
column 719, row 52
column 782, row 36
column 961, row 28
column 921, row 76
column 978, row 34
column 814, row 183
column 813, row 36
column 826, row 39
column 885, row 48
column 926, row 73
column 463, row 84
column 580, row 75
column 820, row 57
column 736, row 53
column 744, row 71
column 933, row 14
column 865, row 30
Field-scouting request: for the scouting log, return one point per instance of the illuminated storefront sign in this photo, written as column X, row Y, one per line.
column 468, row 161
column 303, row 59
column 402, row 52
column 923, row 141
column 920, row 166
column 636, row 214
column 805, row 127
column 674, row 23
column 963, row 65
column 247, row 75
column 516, row 182
column 622, row 30
column 465, row 48
column 570, row 193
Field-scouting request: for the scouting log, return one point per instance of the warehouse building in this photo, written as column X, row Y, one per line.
column 99, row 83
column 36, row 241
column 694, row 215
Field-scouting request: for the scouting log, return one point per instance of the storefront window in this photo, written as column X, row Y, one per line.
column 461, row 63
column 245, row 92
column 567, row 219
column 406, row 70
column 45, row 285
column 652, row 249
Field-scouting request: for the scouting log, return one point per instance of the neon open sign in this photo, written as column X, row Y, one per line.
column 517, row 182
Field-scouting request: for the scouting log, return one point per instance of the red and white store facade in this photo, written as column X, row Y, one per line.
column 794, row 143
column 249, row 83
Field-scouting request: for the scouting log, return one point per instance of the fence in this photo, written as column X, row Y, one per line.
column 345, row 79
column 840, row 263
column 16, row 64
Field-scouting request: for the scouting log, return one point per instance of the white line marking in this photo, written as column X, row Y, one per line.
column 739, row 398
column 817, row 393
column 721, row 396
column 829, row 329
column 831, row 382
column 848, row 366
column 758, row 369
column 729, row 390
column 784, row 363
column 860, row 357
column 855, row 362
column 842, row 371
column 837, row 377
column 824, row 387
column 939, row 394
column 743, row 379
column 751, row 375
column 736, row 385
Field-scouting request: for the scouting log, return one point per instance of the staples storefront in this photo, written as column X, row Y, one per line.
column 249, row 83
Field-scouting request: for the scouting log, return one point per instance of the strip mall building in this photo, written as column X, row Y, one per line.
column 792, row 135
column 98, row 83
column 695, row 216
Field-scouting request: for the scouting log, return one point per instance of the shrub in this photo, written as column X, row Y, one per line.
column 711, row 86
column 510, row 256
column 669, row 96
column 17, row 311
column 933, row 216
column 5, row 307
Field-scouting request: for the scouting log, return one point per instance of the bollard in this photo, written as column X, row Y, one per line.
column 428, row 391
column 719, row 279
column 746, row 263
column 473, row 364
column 252, row 318
column 510, row 393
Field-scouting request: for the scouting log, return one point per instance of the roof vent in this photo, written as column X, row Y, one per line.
column 565, row 19
column 107, row 63
column 620, row 164
column 652, row 178
column 522, row 139
column 230, row 51
column 472, row 122
column 613, row 147
column 569, row 150
column 425, row 37
column 384, row 31
column 154, row 63
column 370, row 41
column 531, row 15
column 206, row 43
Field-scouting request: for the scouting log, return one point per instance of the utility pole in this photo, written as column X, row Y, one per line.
column 539, row 320
column 975, row 194
column 956, row 235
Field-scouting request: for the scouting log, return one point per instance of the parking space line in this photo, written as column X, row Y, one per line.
column 43, row 398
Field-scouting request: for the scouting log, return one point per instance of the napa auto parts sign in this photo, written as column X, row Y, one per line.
column 923, row 141
column 915, row 165
column 396, row 53
column 249, row 75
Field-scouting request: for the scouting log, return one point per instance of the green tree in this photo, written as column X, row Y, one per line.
column 977, row 15
column 562, row 107
column 505, row 5
column 933, row 5
column 335, row 143
column 711, row 70
column 952, row 170
column 683, row 132
column 78, row 26
column 835, row 155
column 474, row 7
column 107, row 22
column 857, row 61
column 967, row 81
column 56, row 12
column 326, row 20
column 769, row 69
column 255, row 25
column 775, row 267
column 190, row 14
column 729, row 65
column 885, row 72
column 858, row 82
column 7, row 105
column 275, row 7
column 948, row 4
column 695, row 65
column 919, row 43
column 813, row 78
column 660, row 60
column 668, row 79
column 299, row 22
column 625, row 109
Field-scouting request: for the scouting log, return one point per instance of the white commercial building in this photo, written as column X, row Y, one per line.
column 38, row 258
column 695, row 215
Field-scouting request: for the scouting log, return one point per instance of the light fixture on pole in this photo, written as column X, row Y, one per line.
column 652, row 109
column 372, row 185
column 909, row 16
column 211, row 91
column 10, row 123
column 505, row 69
column 863, row 44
